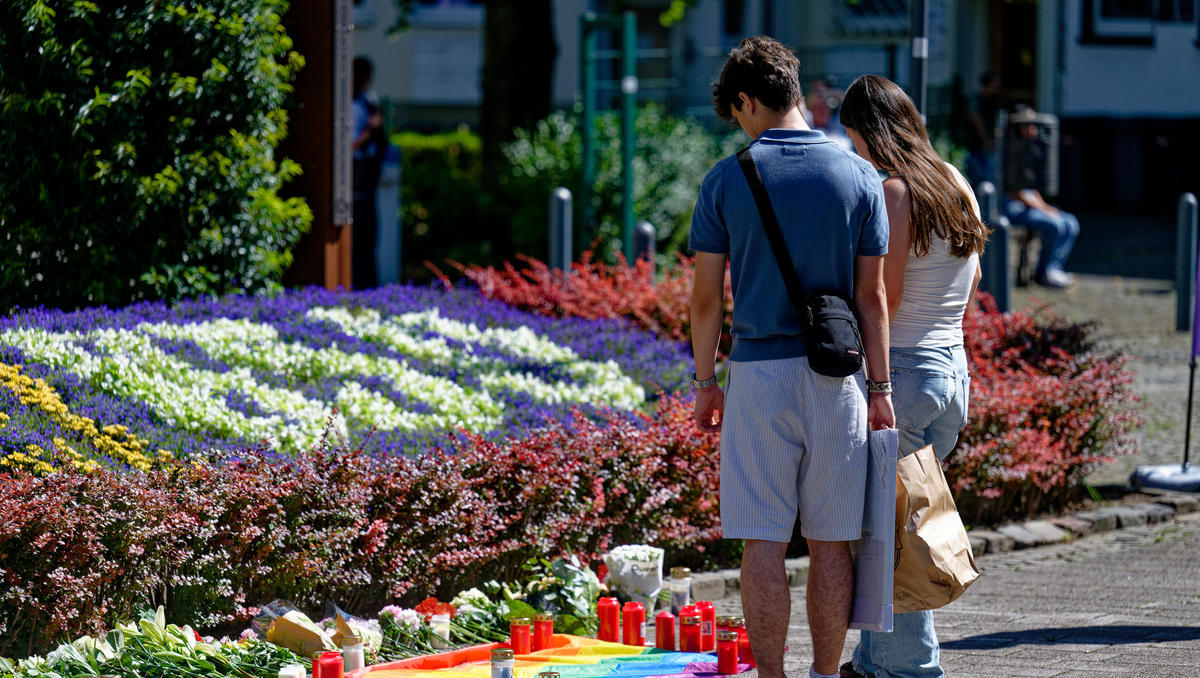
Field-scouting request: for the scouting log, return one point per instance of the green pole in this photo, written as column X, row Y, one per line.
column 629, row 88
column 587, row 122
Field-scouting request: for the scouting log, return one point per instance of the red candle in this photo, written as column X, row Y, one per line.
column 664, row 631
column 689, row 633
column 543, row 629
column 633, row 623
column 689, row 609
column 727, row 652
column 745, row 654
column 610, row 619
column 518, row 633
column 708, row 624
column 328, row 665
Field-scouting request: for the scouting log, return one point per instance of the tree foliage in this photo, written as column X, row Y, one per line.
column 139, row 144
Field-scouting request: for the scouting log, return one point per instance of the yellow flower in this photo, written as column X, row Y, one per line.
column 114, row 440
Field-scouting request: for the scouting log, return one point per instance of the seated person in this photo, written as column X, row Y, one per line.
column 1026, row 206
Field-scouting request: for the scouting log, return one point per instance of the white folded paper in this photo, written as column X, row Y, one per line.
column 875, row 552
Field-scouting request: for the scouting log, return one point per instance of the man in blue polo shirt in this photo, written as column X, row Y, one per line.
column 793, row 442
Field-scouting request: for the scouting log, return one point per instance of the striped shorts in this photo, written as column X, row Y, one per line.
column 792, row 441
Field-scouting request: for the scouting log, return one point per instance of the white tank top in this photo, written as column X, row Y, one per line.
column 936, row 287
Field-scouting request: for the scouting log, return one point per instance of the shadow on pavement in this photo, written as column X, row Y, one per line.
column 1077, row 635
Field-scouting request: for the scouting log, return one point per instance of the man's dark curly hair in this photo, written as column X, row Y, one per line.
column 763, row 68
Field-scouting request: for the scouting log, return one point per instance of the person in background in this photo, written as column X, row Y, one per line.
column 1026, row 206
column 981, row 137
column 822, row 103
column 792, row 441
column 369, row 143
column 930, row 273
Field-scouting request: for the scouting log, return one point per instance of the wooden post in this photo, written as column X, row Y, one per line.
column 319, row 139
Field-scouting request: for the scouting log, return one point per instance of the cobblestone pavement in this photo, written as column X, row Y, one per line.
column 1123, row 603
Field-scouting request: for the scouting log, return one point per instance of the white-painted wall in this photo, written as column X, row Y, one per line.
column 1127, row 82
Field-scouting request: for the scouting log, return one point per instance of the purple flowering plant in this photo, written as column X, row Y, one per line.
column 406, row 369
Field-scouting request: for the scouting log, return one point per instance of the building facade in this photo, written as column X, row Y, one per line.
column 1122, row 75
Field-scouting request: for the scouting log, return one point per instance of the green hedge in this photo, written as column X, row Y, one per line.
column 671, row 158
column 442, row 200
column 447, row 213
column 139, row 150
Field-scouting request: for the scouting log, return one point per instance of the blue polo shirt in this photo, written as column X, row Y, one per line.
column 830, row 207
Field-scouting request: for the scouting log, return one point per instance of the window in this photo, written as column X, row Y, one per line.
column 735, row 15
column 1119, row 22
column 1126, row 9
column 871, row 18
column 447, row 13
column 364, row 13
column 1175, row 11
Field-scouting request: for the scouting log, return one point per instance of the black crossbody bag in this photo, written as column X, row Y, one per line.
column 827, row 319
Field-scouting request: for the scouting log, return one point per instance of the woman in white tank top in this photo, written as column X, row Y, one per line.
column 931, row 271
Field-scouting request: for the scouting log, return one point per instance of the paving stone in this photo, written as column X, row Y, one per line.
column 978, row 543
column 1157, row 513
column 1127, row 516
column 708, row 586
column 733, row 581
column 1022, row 537
column 1046, row 532
column 996, row 542
column 797, row 570
column 1182, row 503
column 1076, row 526
column 1101, row 521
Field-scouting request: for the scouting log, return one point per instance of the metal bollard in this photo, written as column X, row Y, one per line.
column 560, row 255
column 645, row 240
column 995, row 263
column 989, row 201
column 1185, row 262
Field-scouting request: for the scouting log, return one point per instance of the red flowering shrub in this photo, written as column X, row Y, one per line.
column 1046, row 407
column 79, row 550
column 598, row 290
column 211, row 540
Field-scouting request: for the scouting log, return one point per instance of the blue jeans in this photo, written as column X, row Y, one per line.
column 931, row 387
column 1058, row 233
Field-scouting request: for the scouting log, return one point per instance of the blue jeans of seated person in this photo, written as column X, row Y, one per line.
column 930, row 390
column 1058, row 233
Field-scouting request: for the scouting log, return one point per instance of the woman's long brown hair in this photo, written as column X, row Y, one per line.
column 889, row 124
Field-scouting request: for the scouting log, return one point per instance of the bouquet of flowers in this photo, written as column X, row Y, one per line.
column 635, row 571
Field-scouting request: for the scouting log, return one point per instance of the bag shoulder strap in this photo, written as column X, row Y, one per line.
column 771, row 224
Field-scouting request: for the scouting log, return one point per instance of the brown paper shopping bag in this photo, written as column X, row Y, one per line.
column 934, row 563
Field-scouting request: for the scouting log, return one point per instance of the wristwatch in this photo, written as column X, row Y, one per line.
column 703, row 383
column 879, row 386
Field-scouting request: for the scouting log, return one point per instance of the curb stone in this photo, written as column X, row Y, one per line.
column 708, row 586
column 1074, row 525
column 1047, row 532
column 1022, row 536
column 1182, row 503
column 996, row 542
column 1101, row 522
column 1030, row 534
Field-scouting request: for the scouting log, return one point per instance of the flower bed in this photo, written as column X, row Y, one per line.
column 1046, row 406
column 210, row 540
column 138, row 386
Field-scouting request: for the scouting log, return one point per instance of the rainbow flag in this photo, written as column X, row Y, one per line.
column 571, row 656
